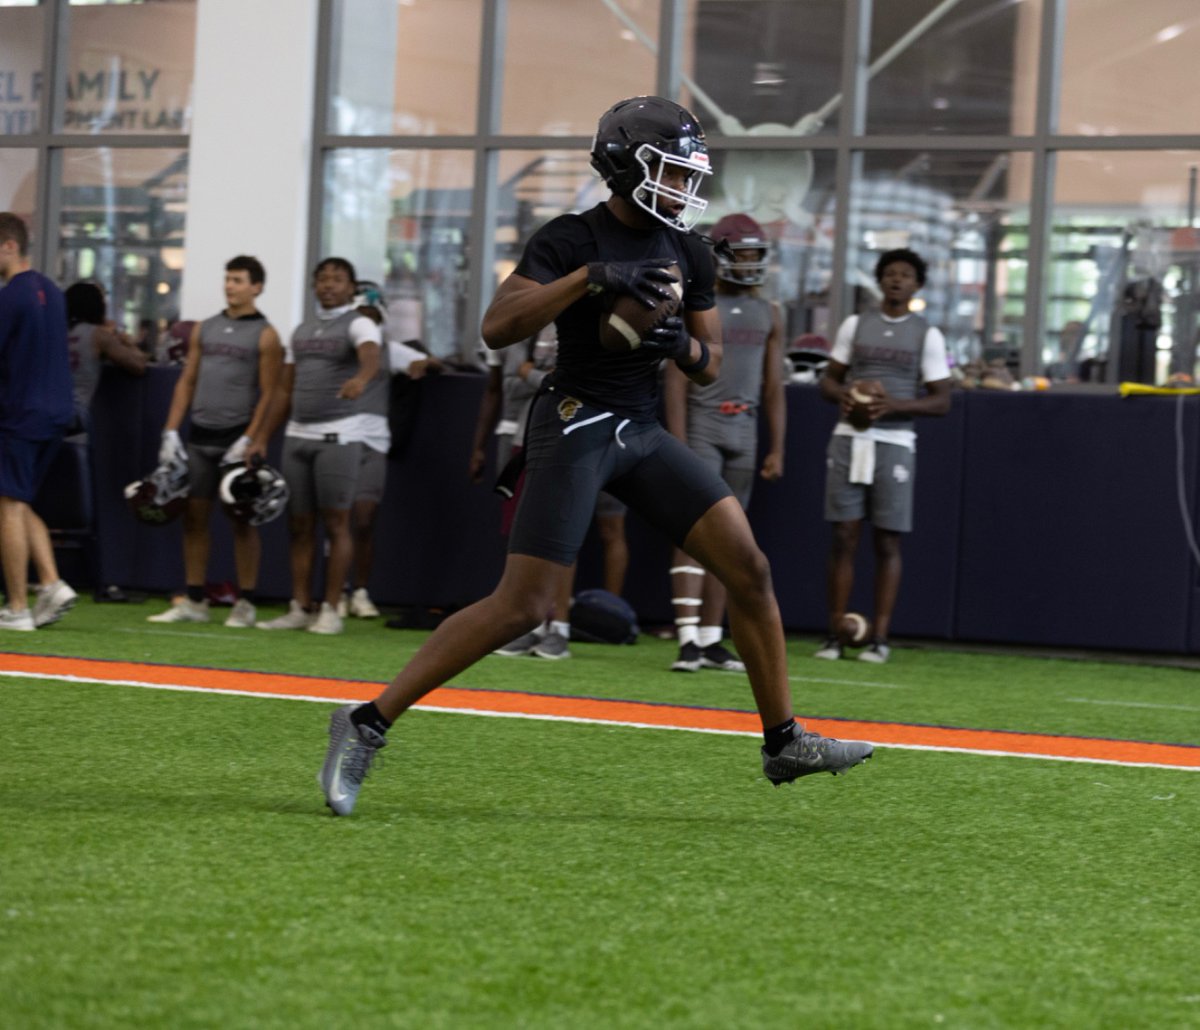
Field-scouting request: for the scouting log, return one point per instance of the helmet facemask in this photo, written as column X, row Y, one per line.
column 652, row 189
column 740, row 270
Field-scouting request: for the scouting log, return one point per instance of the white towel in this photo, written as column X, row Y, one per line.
column 862, row 458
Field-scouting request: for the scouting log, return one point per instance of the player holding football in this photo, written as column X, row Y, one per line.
column 719, row 421
column 871, row 471
column 595, row 427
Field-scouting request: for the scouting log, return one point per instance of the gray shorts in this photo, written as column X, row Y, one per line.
column 887, row 502
column 727, row 444
column 372, row 475
column 204, row 470
column 320, row 474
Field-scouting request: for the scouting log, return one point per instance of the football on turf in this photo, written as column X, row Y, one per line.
column 862, row 393
column 853, row 629
column 626, row 320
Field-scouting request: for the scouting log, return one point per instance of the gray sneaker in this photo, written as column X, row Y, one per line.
column 352, row 749
column 22, row 620
column 53, row 602
column 810, row 753
column 552, row 646
column 522, row 645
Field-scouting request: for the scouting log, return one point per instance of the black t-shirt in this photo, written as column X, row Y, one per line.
column 626, row 384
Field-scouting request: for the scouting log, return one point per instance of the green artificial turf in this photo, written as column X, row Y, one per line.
column 167, row 860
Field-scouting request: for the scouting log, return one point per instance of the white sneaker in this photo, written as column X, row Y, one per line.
column 53, row 603
column 22, row 620
column 185, row 610
column 361, row 605
column 327, row 621
column 294, row 618
column 243, row 615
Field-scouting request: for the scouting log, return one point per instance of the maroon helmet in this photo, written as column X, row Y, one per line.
column 741, row 235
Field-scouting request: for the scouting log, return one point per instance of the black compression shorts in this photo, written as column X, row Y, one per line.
column 574, row 450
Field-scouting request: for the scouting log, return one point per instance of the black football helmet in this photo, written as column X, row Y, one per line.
column 742, row 236
column 637, row 141
column 253, row 493
column 160, row 497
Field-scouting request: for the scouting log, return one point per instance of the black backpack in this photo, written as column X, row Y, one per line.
column 598, row 617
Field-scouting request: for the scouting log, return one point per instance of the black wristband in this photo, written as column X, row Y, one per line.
column 699, row 365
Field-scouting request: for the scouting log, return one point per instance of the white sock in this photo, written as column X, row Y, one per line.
column 563, row 629
column 708, row 636
column 687, row 634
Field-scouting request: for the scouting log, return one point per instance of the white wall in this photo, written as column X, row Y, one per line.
column 250, row 149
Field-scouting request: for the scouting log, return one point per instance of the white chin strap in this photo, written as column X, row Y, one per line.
column 653, row 189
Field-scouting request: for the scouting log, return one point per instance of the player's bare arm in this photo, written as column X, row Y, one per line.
column 125, row 355
column 522, row 307
column 773, row 399
column 270, row 364
column 675, row 401
column 185, row 386
column 935, row 402
column 368, row 368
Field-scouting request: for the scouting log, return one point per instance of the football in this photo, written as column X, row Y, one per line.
column 853, row 629
column 627, row 320
column 861, row 393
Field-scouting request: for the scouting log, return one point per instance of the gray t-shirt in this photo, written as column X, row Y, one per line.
column 325, row 357
column 85, row 366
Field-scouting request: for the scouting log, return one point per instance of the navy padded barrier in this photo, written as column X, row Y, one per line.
column 1071, row 529
column 1041, row 518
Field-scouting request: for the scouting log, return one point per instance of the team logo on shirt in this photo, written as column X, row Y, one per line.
column 568, row 408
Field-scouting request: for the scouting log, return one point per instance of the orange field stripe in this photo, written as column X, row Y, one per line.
column 638, row 713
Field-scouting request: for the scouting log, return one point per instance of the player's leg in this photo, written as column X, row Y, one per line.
column 368, row 495
column 845, row 506
column 554, row 635
column 738, row 458
column 196, row 545
column 55, row 597
column 892, row 495
column 688, row 577
column 888, row 567
column 14, row 554
column 610, row 525
column 297, row 468
column 671, row 487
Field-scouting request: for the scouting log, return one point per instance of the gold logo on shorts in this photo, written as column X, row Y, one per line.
column 568, row 408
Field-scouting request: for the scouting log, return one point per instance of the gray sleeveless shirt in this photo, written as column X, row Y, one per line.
column 325, row 357
column 890, row 352
column 227, row 387
column 745, row 325
column 85, row 365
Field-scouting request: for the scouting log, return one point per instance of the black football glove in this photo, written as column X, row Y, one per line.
column 669, row 339
column 648, row 281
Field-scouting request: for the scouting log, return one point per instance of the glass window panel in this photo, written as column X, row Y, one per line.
column 1129, row 68
column 122, row 225
column 405, row 68
column 791, row 194
column 758, row 65
column 402, row 218
column 967, row 215
column 971, row 69
column 129, row 68
column 566, row 64
column 1122, row 268
column 21, row 76
column 18, row 186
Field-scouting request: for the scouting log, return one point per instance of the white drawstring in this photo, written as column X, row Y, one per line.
column 587, row 422
column 617, row 434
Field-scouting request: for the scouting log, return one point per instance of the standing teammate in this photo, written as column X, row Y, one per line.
column 328, row 365
column 871, row 472
column 90, row 342
column 228, row 384
column 719, row 422
column 35, row 410
column 595, row 427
